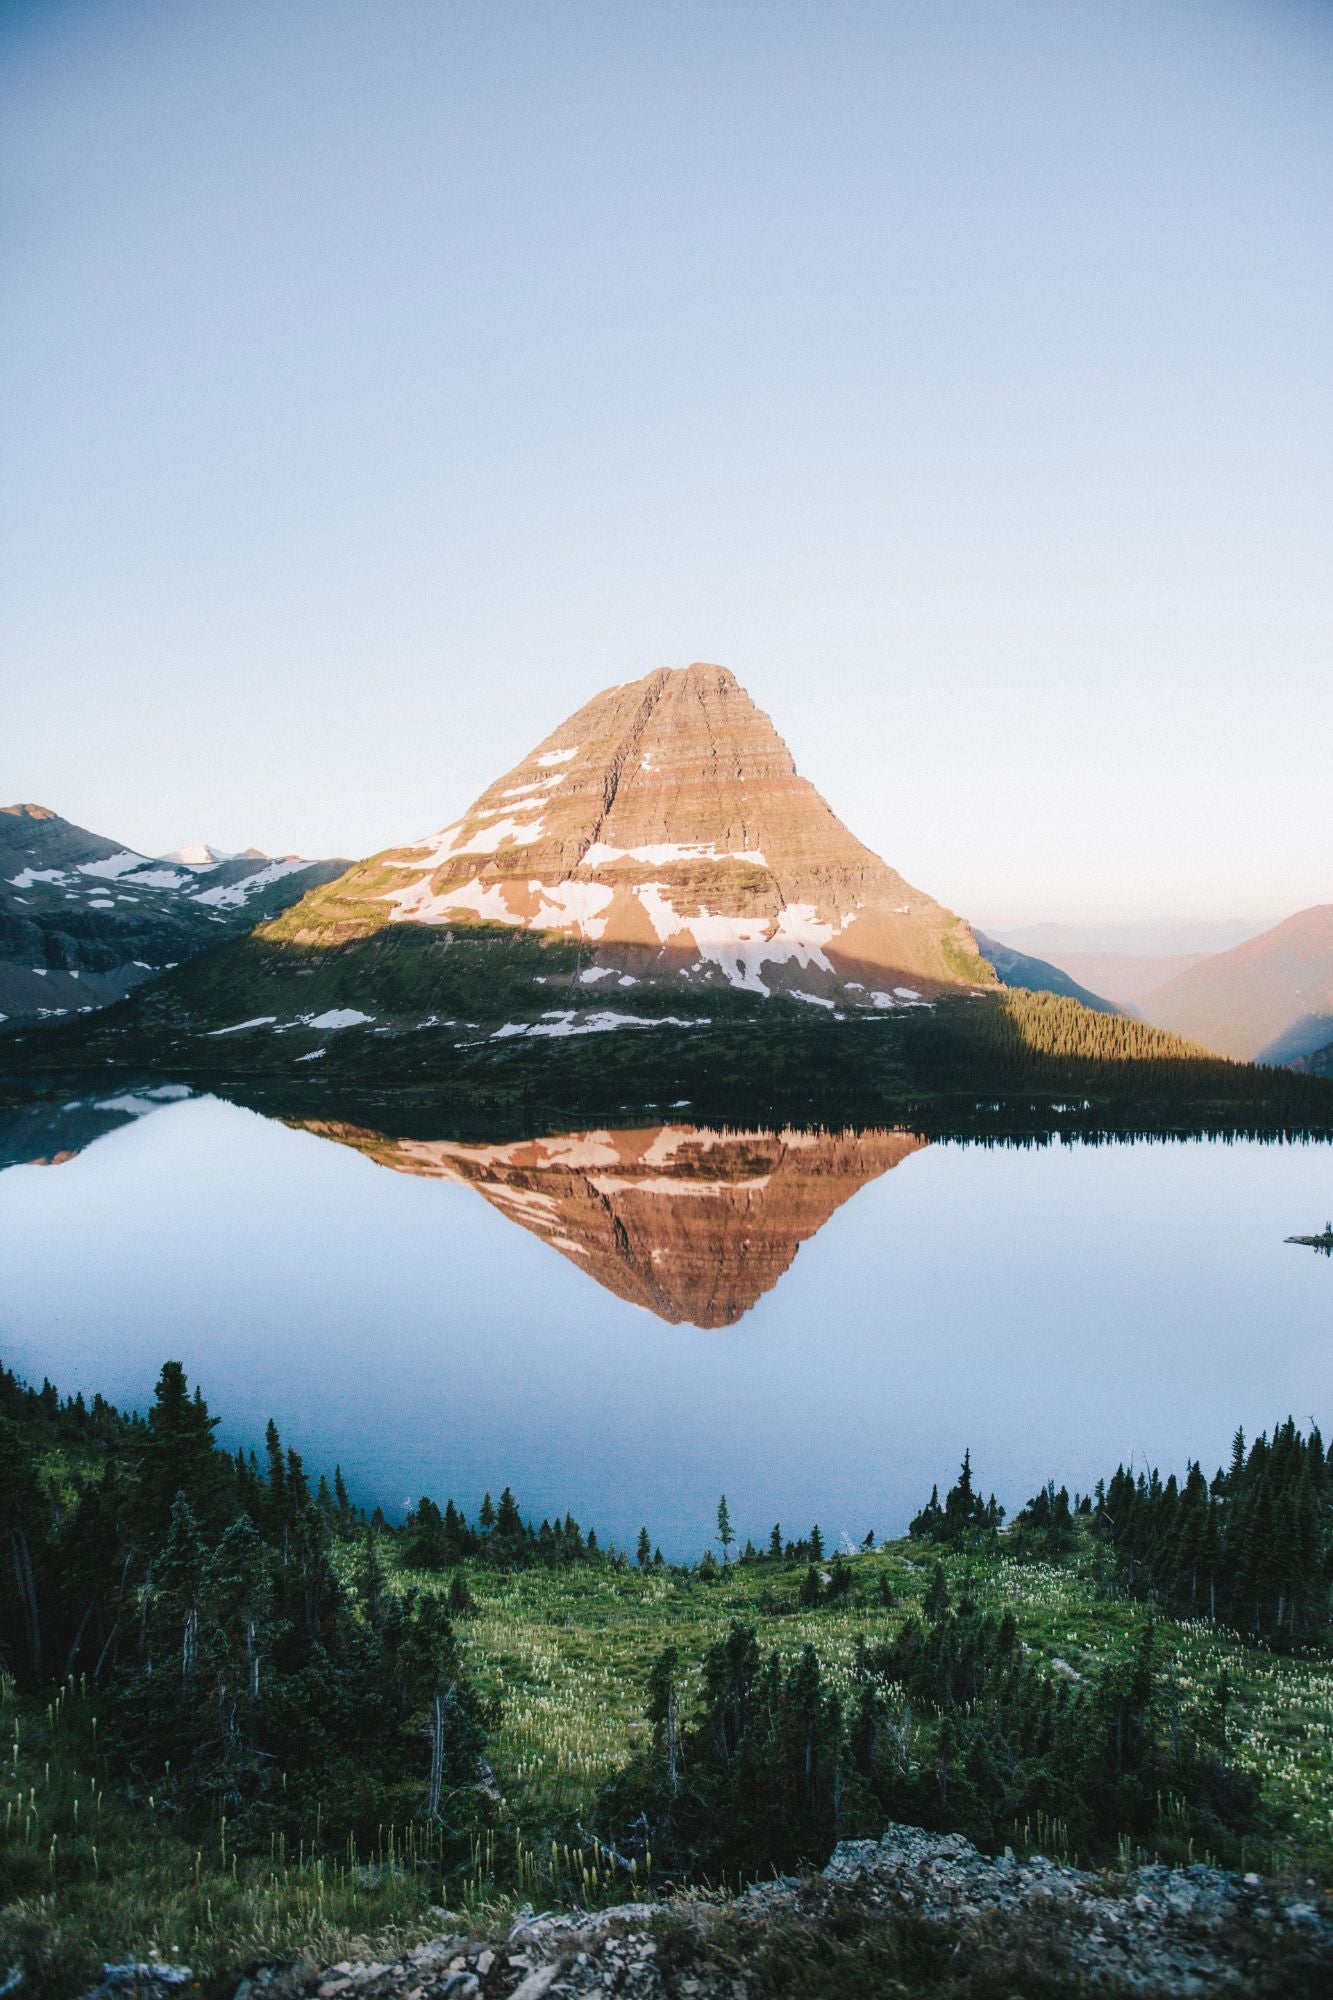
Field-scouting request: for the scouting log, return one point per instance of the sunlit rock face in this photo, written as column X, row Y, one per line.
column 694, row 1224
column 664, row 830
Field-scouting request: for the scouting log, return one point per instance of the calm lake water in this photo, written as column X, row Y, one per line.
column 627, row 1325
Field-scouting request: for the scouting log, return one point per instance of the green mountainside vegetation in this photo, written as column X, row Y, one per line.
column 244, row 1720
column 1003, row 1061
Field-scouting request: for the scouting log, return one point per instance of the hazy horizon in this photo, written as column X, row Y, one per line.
column 383, row 385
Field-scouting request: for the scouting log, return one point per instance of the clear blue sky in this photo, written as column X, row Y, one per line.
column 381, row 380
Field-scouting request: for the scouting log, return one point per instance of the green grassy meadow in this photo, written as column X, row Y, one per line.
column 94, row 1869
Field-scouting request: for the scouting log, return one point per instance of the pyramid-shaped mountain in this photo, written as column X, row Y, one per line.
column 663, row 834
column 693, row 1224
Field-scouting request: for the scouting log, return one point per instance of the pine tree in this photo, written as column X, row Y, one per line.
column 644, row 1550
column 937, row 1594
column 426, row 1544
column 664, row 1713
column 508, row 1521
column 275, row 1500
column 179, row 1579
column 724, row 1529
column 179, row 1456
column 237, row 1594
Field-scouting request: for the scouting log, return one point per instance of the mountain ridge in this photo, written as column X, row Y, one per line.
column 84, row 919
column 1039, row 975
column 1268, row 999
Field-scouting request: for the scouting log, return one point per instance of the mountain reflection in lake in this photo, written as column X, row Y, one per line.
column 695, row 1225
column 838, row 1331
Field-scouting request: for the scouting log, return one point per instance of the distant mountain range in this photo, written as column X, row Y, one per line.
column 1125, row 961
column 656, row 861
column 84, row 920
column 1157, row 937
column 1268, row 1000
column 1263, row 993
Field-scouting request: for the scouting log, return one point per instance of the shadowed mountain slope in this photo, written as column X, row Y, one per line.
column 1035, row 975
column 1268, row 1000
column 1320, row 1063
column 84, row 920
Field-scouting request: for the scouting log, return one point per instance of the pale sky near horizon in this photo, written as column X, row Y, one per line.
column 380, row 382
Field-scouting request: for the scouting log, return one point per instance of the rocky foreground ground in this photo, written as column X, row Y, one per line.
column 913, row 1914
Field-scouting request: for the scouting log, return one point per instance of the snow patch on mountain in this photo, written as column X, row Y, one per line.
column 114, row 865
column 557, row 1024
column 505, row 832
column 580, row 905
column 28, row 878
column 740, row 946
column 234, row 895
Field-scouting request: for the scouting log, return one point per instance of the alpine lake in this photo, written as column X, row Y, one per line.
column 626, row 1323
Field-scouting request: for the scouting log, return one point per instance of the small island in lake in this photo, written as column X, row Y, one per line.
column 1323, row 1242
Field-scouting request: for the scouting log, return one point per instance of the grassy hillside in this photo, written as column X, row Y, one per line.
column 107, row 1851
column 565, row 1656
column 1001, row 1061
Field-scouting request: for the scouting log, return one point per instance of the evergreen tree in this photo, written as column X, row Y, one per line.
column 936, row 1602
column 177, row 1455
column 508, row 1521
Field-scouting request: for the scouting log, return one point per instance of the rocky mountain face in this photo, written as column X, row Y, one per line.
column 695, row 1225
column 662, row 836
column 1268, row 1000
column 84, row 920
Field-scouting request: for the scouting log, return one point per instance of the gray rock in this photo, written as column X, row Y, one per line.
column 1174, row 1933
